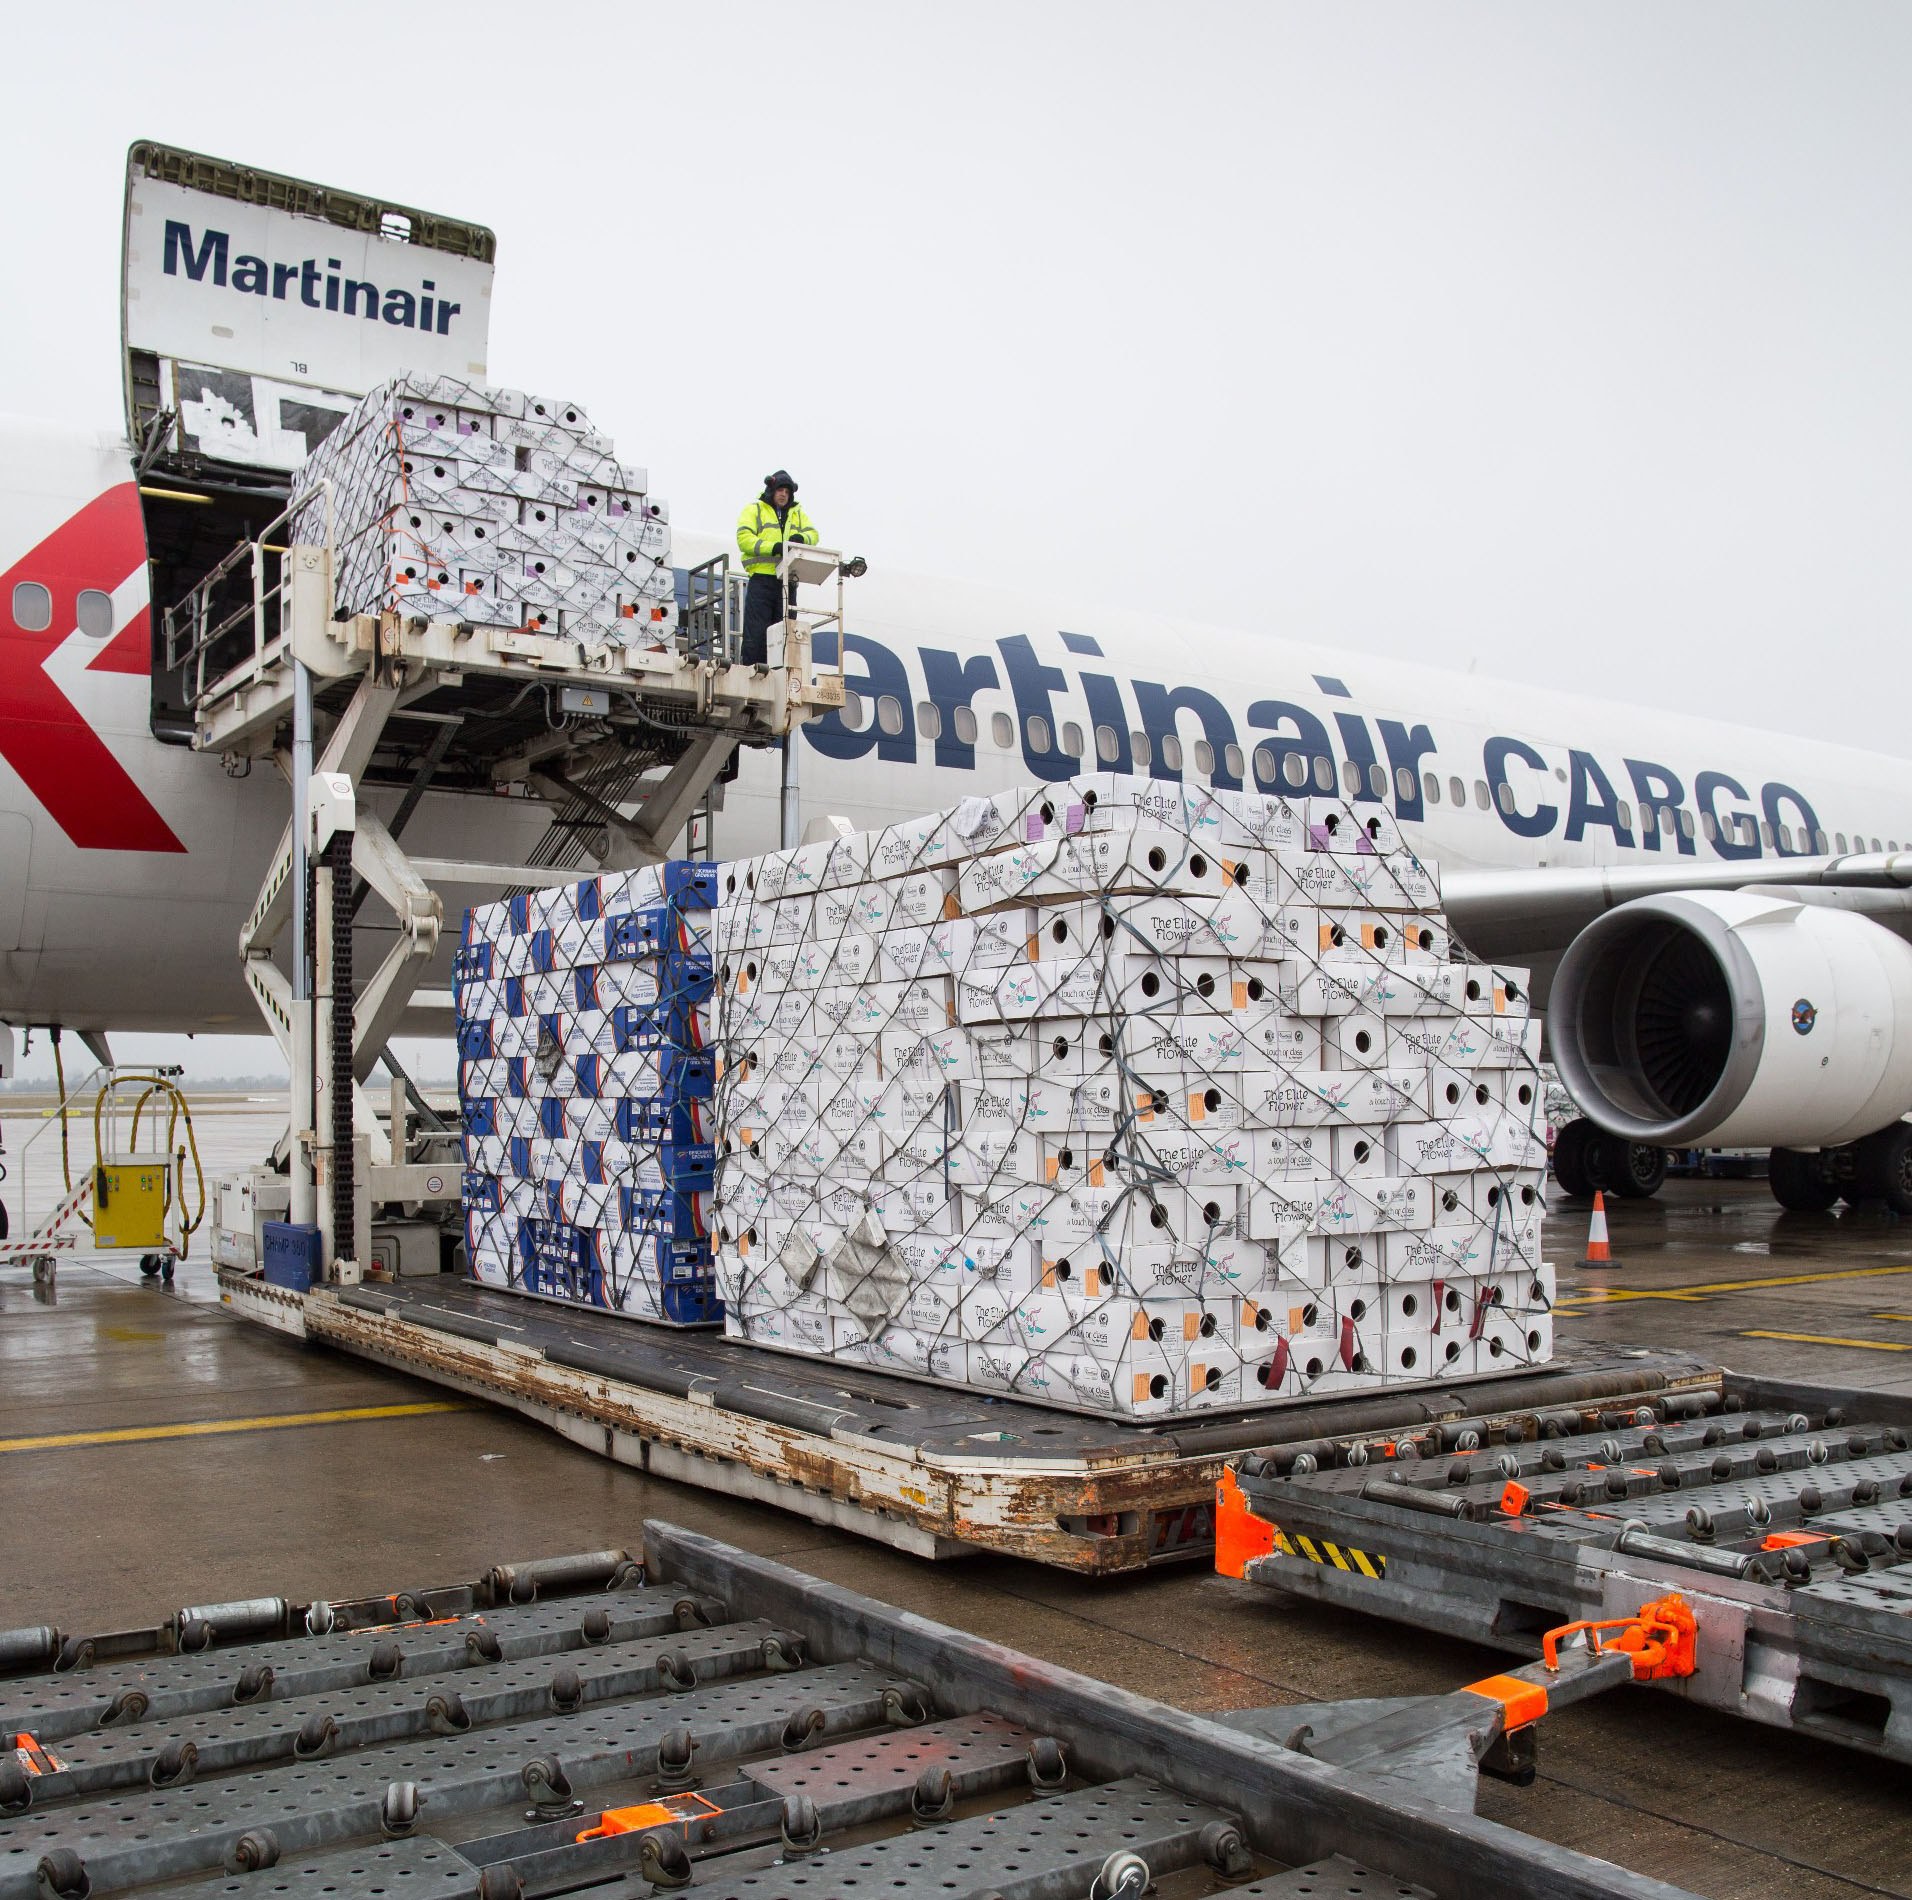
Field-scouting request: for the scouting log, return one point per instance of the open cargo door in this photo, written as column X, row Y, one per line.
column 256, row 308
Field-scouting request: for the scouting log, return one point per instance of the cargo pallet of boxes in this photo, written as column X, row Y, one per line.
column 453, row 501
column 584, row 1084
column 1127, row 1097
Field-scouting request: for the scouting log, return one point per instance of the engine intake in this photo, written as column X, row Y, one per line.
column 1734, row 1019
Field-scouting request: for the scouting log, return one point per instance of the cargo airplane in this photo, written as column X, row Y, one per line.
column 1713, row 914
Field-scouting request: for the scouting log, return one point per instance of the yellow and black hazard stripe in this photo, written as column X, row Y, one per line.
column 1317, row 1550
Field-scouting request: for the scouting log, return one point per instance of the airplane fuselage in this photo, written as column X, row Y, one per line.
column 127, row 865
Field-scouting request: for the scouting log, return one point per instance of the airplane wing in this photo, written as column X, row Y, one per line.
column 1530, row 916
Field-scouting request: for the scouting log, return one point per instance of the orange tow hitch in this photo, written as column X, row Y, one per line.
column 1662, row 1637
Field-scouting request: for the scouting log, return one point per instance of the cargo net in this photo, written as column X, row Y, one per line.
column 1130, row 1098
column 451, row 501
column 584, row 1082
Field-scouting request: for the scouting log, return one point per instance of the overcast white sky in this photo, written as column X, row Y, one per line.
column 1571, row 341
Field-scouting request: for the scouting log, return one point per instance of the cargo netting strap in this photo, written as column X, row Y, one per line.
column 1127, row 1096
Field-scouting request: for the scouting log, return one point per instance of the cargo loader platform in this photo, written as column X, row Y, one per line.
column 700, row 1720
column 927, row 1469
column 1780, row 1513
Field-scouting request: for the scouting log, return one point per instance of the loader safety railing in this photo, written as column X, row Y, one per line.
column 206, row 633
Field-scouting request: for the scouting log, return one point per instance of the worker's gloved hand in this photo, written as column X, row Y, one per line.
column 776, row 550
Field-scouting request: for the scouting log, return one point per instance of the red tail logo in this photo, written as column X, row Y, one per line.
column 64, row 762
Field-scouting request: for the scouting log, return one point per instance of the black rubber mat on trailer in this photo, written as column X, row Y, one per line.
column 808, row 1395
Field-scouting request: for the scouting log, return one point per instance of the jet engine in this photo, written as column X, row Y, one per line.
column 1733, row 1019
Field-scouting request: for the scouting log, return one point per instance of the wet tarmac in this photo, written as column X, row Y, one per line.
column 153, row 1452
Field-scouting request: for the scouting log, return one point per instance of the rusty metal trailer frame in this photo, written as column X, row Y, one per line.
column 1781, row 1513
column 710, row 1722
column 928, row 1469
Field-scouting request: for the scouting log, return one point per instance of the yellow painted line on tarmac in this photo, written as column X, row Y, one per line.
column 219, row 1427
column 1607, row 1295
column 1824, row 1339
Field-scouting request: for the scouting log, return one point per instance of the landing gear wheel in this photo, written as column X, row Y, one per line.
column 1801, row 1183
column 1605, row 1159
column 1882, row 1165
column 1570, row 1160
column 1642, row 1171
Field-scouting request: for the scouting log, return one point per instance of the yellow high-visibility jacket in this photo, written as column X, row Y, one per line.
column 759, row 530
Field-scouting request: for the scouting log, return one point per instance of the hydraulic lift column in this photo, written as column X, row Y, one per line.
column 302, row 1210
column 332, row 822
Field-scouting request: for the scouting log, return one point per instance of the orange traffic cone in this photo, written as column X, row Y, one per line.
column 1599, row 1254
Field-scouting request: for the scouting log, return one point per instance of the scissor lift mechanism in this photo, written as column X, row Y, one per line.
column 239, row 640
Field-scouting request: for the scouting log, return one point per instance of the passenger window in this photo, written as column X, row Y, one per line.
column 1037, row 731
column 852, row 710
column 1506, row 798
column 1404, row 784
column 1839, row 838
column 889, row 714
column 1710, row 826
column 1430, row 788
column 1072, row 739
column 1686, row 823
column 1457, row 790
column 1624, row 812
column 1819, row 843
column 929, row 719
column 32, row 607
column 1003, row 730
column 1204, row 758
column 1232, row 759
column 94, row 611
column 1294, row 768
column 1766, row 832
column 1649, row 822
column 1480, row 795
column 1108, row 744
column 1139, row 750
column 1324, row 772
column 964, row 721
column 1378, row 780
column 1171, row 752
column 1876, row 845
column 1350, row 780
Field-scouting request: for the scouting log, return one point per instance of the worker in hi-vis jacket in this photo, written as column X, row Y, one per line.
column 762, row 529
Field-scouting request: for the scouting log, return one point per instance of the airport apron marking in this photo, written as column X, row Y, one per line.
column 218, row 1427
column 1607, row 1296
column 1823, row 1339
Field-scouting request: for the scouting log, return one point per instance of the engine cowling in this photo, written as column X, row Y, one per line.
column 1729, row 1019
